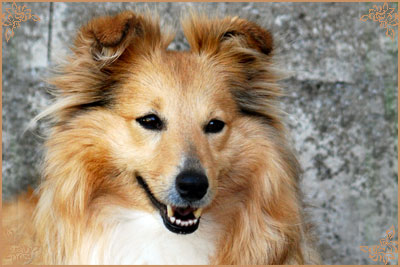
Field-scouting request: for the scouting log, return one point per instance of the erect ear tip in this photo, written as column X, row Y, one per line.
column 257, row 37
column 266, row 43
column 210, row 35
column 111, row 30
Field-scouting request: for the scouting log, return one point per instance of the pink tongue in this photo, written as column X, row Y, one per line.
column 183, row 211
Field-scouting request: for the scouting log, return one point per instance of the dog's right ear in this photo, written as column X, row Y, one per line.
column 103, row 49
column 105, row 39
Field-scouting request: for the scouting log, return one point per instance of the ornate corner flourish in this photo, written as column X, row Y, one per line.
column 386, row 250
column 16, row 250
column 13, row 17
column 386, row 16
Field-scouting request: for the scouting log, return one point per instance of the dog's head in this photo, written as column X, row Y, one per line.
column 144, row 127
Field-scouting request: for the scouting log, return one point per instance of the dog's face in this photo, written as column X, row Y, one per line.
column 179, row 114
column 162, row 124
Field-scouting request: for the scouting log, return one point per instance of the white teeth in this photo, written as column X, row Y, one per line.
column 174, row 220
column 169, row 211
column 183, row 223
column 197, row 213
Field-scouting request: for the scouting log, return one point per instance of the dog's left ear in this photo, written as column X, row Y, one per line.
column 244, row 50
column 216, row 35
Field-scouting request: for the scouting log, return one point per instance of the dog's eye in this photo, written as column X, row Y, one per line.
column 151, row 122
column 214, row 126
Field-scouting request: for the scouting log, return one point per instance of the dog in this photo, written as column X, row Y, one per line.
column 169, row 157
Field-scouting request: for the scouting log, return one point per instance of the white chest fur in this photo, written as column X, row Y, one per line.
column 141, row 238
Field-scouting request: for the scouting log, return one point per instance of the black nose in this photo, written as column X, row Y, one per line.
column 191, row 185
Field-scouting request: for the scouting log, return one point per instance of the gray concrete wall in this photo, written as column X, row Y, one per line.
column 341, row 100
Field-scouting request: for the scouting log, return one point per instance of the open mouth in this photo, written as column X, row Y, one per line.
column 180, row 220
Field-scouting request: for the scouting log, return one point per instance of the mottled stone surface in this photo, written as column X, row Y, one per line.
column 341, row 101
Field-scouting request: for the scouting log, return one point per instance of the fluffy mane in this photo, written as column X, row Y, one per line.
column 258, row 205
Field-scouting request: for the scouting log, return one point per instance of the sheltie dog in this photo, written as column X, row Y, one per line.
column 165, row 157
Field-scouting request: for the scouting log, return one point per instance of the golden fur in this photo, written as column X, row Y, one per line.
column 119, row 70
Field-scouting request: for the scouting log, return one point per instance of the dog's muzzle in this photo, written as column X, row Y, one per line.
column 181, row 218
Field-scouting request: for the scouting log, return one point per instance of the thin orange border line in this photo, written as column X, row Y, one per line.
column 398, row 143
column 234, row 1
column 199, row 1
column 1, row 145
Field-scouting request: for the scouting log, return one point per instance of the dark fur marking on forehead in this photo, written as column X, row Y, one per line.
column 99, row 103
column 265, row 118
column 104, row 95
column 252, row 102
column 103, row 98
column 246, row 58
